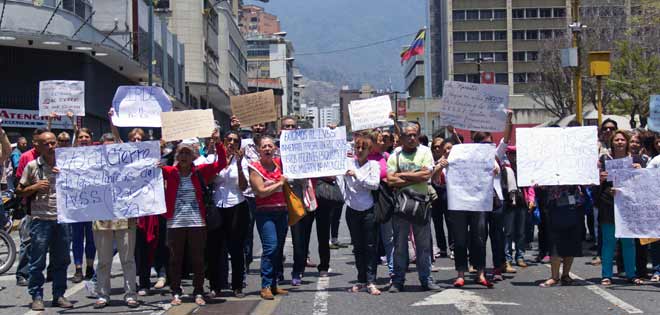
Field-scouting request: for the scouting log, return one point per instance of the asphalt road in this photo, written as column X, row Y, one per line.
column 518, row 294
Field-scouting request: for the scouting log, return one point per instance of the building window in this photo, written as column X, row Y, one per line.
column 518, row 13
column 487, row 56
column 559, row 33
column 459, row 36
column 485, row 14
column 472, row 36
column 486, row 35
column 519, row 35
column 472, row 14
column 459, row 57
column 460, row 77
column 533, row 77
column 532, row 55
column 500, row 56
column 545, row 34
column 520, row 77
column 502, row 78
column 531, row 13
column 532, row 34
column 499, row 14
column 459, row 15
column 472, row 56
column 518, row 56
column 500, row 35
column 545, row 13
column 559, row 12
column 473, row 78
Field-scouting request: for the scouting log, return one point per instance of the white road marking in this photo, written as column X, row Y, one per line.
column 466, row 302
column 609, row 296
column 321, row 296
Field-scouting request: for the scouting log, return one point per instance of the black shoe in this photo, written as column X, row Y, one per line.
column 62, row 302
column 395, row 288
column 78, row 276
column 49, row 277
column 431, row 287
column 89, row 273
column 21, row 282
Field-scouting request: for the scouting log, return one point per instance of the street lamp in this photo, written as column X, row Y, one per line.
column 479, row 60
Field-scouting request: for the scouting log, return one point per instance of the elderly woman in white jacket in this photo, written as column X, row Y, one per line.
column 356, row 185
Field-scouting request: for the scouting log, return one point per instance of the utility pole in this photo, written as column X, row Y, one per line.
column 576, row 27
column 150, row 65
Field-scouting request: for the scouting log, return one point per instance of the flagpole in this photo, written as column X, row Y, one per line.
column 427, row 65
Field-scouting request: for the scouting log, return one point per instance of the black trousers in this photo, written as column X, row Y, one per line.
column 496, row 232
column 228, row 238
column 469, row 226
column 301, row 234
column 439, row 214
column 364, row 235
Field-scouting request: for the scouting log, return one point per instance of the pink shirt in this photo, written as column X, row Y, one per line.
column 382, row 161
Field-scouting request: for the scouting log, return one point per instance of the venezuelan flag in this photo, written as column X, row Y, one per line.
column 415, row 48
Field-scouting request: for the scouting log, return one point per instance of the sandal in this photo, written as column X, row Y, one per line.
column 549, row 283
column 371, row 288
column 606, row 282
column 132, row 303
column 567, row 280
column 459, row 283
column 100, row 303
column 655, row 278
column 199, row 300
column 636, row 281
column 176, row 300
column 356, row 288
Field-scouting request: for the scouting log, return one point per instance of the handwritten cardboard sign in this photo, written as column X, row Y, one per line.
column 637, row 204
column 196, row 123
column 139, row 106
column 311, row 153
column 477, row 107
column 370, row 113
column 105, row 182
column 654, row 113
column 615, row 165
column 557, row 156
column 60, row 97
column 470, row 177
column 254, row 108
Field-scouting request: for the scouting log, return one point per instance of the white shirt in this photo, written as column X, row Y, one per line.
column 204, row 160
column 357, row 189
column 226, row 193
column 655, row 163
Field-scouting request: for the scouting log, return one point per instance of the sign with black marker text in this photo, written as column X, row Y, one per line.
column 311, row 153
column 476, row 107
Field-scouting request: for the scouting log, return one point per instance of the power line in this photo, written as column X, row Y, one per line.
column 355, row 47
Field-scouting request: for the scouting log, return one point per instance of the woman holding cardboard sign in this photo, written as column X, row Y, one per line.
column 271, row 216
column 185, row 190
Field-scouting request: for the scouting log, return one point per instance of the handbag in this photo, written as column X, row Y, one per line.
column 328, row 191
column 383, row 203
column 213, row 215
column 293, row 204
column 411, row 205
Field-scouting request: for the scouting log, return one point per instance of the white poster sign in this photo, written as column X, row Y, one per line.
column 637, row 204
column 311, row 153
column 470, row 177
column 106, row 182
column 370, row 113
column 654, row 113
column 615, row 165
column 60, row 97
column 21, row 118
column 477, row 107
column 139, row 106
column 557, row 156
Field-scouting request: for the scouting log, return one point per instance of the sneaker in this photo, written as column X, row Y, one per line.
column 238, row 293
column 160, row 283
column 395, row 288
column 431, row 287
column 451, row 255
column 62, row 302
column 21, row 282
column 508, row 267
column 266, row 294
column 37, row 304
column 296, row 282
column 521, row 263
column 78, row 276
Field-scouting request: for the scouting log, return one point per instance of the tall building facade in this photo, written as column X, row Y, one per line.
column 329, row 115
column 255, row 20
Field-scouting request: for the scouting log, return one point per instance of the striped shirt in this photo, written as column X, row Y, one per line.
column 186, row 208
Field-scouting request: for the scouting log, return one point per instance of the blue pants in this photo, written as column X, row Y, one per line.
column 514, row 232
column 423, row 243
column 387, row 236
column 272, row 227
column 609, row 245
column 82, row 233
column 48, row 237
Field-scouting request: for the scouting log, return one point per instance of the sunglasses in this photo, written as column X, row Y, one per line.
column 233, row 140
column 608, row 129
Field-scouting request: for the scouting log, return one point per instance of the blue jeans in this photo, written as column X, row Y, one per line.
column 82, row 233
column 272, row 228
column 609, row 245
column 515, row 218
column 387, row 236
column 48, row 237
column 423, row 245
